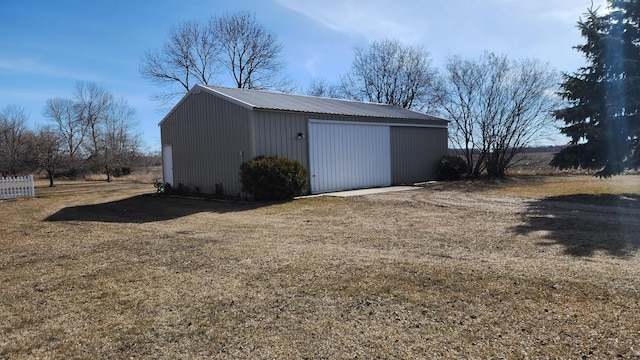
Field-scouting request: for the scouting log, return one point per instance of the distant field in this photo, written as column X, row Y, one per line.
column 535, row 161
column 528, row 267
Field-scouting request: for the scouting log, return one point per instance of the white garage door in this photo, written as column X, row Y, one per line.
column 348, row 156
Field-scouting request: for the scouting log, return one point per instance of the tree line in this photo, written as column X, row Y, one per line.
column 90, row 132
column 497, row 106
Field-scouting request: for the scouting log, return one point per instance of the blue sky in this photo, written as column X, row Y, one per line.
column 48, row 46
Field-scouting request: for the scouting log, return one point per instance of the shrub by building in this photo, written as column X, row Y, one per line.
column 452, row 168
column 273, row 178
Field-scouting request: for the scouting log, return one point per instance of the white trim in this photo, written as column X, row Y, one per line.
column 173, row 109
column 244, row 104
column 345, row 122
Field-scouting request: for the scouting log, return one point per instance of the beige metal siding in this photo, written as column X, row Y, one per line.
column 207, row 135
column 276, row 133
column 415, row 153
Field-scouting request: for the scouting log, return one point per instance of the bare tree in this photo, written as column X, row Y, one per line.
column 497, row 108
column 119, row 144
column 391, row 73
column 197, row 53
column 69, row 124
column 189, row 56
column 94, row 103
column 47, row 149
column 96, row 129
column 248, row 51
column 12, row 145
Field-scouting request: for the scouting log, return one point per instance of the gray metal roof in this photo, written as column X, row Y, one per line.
column 264, row 100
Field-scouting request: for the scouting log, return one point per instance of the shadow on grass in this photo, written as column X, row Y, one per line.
column 585, row 224
column 146, row 208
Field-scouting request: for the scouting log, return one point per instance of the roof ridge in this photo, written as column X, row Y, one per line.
column 304, row 95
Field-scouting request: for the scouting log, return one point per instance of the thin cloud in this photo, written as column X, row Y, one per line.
column 373, row 21
column 310, row 64
column 20, row 96
column 572, row 10
column 35, row 67
column 410, row 22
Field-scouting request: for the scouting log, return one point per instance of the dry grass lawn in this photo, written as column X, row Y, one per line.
column 536, row 267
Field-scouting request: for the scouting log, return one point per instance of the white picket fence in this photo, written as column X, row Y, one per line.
column 17, row 187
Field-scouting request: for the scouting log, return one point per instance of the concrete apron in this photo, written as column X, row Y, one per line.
column 360, row 192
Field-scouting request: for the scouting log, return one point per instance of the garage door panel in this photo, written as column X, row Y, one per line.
column 348, row 156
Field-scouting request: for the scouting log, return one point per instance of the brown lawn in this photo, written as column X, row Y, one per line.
column 531, row 267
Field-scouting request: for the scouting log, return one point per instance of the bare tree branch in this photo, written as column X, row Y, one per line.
column 248, row 51
column 196, row 53
column 497, row 108
column 12, row 146
column 67, row 116
column 47, row 150
column 391, row 73
column 322, row 88
column 95, row 103
column 187, row 57
column 96, row 129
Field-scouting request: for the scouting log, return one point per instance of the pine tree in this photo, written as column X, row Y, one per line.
column 603, row 116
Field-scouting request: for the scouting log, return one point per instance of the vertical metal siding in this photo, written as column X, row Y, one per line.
column 348, row 156
column 207, row 134
column 277, row 134
column 416, row 152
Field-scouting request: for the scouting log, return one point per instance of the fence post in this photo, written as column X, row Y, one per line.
column 32, row 186
column 15, row 187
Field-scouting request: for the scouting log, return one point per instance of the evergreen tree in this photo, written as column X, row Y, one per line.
column 603, row 115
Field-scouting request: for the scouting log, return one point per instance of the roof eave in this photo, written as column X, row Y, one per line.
column 430, row 117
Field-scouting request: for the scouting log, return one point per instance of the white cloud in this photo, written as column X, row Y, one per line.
column 371, row 20
column 413, row 21
column 522, row 28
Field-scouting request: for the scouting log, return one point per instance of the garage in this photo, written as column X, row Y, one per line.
column 345, row 155
column 342, row 144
